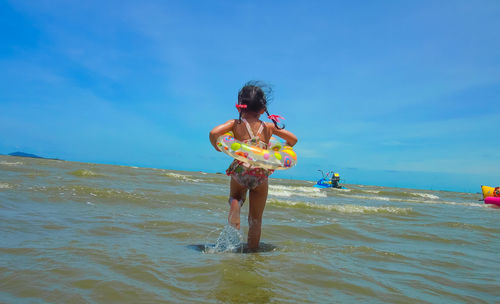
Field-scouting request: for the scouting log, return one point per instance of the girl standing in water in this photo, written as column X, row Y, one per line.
column 248, row 128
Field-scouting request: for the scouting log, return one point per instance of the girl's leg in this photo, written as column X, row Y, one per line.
column 258, row 197
column 237, row 194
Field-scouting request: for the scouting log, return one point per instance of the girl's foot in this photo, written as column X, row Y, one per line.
column 234, row 214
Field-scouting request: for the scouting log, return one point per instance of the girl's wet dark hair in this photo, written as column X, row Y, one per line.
column 254, row 95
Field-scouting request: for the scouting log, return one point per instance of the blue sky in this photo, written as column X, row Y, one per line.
column 392, row 93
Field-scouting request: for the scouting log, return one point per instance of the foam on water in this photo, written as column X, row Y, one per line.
column 445, row 203
column 426, row 199
column 339, row 189
column 181, row 177
column 288, row 191
column 84, row 173
column 5, row 186
column 7, row 163
column 371, row 191
column 372, row 197
column 395, row 193
column 348, row 208
column 426, row 195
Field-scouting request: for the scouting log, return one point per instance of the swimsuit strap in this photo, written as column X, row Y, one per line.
column 256, row 139
column 260, row 128
column 250, row 129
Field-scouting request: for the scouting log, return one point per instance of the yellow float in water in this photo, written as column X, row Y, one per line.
column 490, row 191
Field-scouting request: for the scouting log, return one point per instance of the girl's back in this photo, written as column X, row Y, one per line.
column 242, row 134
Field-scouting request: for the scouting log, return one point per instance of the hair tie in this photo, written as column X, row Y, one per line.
column 241, row 106
column 275, row 118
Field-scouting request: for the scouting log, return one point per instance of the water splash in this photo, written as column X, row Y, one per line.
column 229, row 240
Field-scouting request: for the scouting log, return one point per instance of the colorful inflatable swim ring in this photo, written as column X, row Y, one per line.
column 278, row 157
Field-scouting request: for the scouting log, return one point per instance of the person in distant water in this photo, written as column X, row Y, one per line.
column 248, row 128
column 335, row 180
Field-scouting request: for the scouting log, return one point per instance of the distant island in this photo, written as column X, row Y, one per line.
column 23, row 154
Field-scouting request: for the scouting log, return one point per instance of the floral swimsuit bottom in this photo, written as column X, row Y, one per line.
column 246, row 175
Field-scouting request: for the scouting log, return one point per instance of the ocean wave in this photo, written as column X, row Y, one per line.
column 84, row 173
column 405, row 194
column 372, row 197
column 339, row 189
column 6, row 163
column 445, row 203
column 397, row 193
column 181, row 177
column 381, row 254
column 5, row 186
column 84, row 192
column 431, row 199
column 342, row 208
column 425, row 195
column 465, row 226
column 288, row 191
column 371, row 191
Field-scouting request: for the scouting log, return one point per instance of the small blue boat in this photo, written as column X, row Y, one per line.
column 329, row 182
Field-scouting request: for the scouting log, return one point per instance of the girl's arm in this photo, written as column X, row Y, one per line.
column 290, row 138
column 218, row 131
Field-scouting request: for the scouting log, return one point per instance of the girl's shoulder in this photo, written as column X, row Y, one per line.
column 232, row 123
column 269, row 126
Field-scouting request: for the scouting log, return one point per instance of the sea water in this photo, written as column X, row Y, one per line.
column 86, row 233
